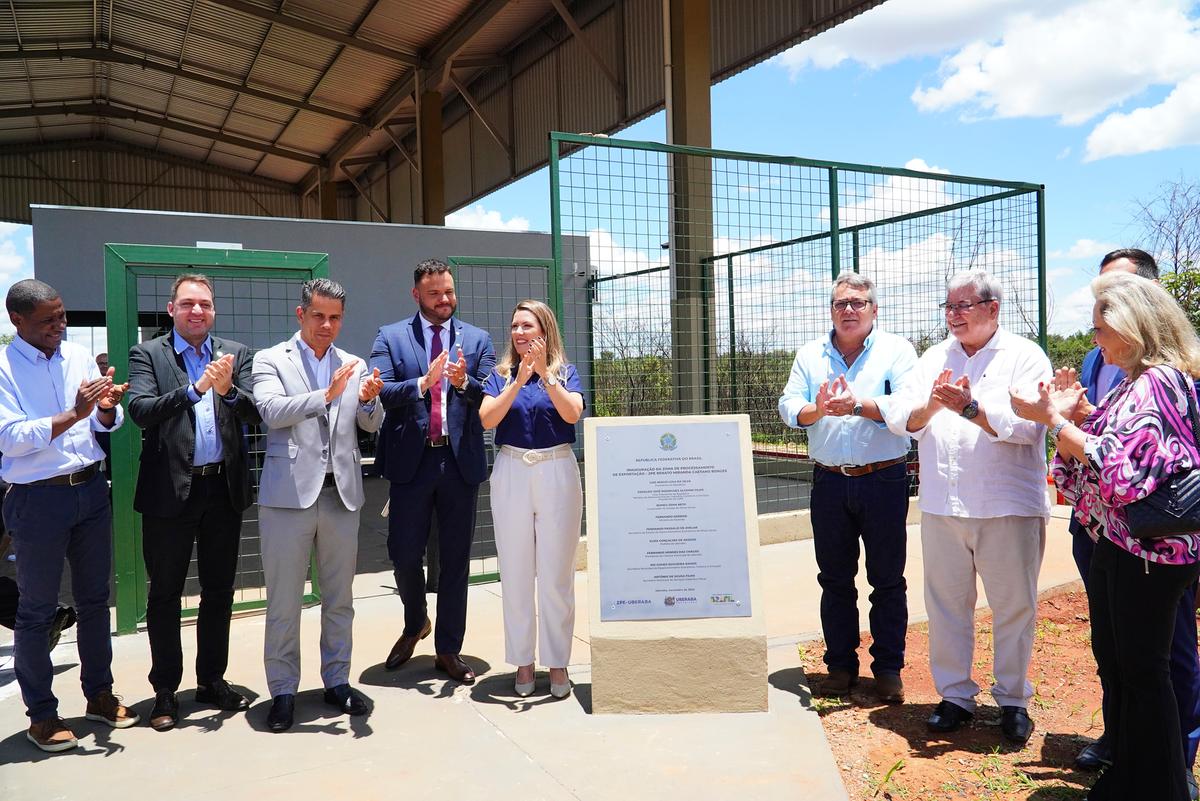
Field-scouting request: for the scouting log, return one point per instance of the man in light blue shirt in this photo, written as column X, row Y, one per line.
column 839, row 391
column 53, row 401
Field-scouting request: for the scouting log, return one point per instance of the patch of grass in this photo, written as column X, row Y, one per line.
column 888, row 779
column 996, row 777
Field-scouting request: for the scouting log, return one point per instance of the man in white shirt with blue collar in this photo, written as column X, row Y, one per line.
column 53, row 401
column 839, row 390
column 983, row 500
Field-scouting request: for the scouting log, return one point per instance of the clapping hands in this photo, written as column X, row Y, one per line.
column 834, row 398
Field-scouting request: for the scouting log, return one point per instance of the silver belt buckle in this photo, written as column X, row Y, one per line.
column 532, row 457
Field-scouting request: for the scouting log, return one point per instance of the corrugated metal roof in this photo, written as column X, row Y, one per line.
column 524, row 58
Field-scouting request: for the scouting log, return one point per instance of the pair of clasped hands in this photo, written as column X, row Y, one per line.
column 99, row 393
column 456, row 371
column 370, row 388
column 532, row 361
column 1063, row 396
column 834, row 398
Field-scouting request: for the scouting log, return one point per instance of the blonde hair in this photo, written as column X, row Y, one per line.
column 1150, row 321
column 556, row 357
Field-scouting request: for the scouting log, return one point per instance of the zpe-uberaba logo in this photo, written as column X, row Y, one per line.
column 668, row 442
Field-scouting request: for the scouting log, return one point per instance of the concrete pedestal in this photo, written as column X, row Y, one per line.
column 686, row 665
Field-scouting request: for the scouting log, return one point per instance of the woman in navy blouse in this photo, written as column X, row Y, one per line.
column 533, row 400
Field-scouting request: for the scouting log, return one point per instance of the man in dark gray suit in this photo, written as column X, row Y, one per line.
column 190, row 394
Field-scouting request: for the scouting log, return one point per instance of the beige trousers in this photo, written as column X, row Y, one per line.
column 537, row 505
column 1006, row 552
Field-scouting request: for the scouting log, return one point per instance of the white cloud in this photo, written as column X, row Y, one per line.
column 898, row 194
column 1084, row 249
column 479, row 218
column 1073, row 313
column 1172, row 123
column 1074, row 65
column 901, row 29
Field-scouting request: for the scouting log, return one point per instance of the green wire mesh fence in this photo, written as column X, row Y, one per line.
column 708, row 269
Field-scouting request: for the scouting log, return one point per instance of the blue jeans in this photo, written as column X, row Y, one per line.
column 872, row 508
column 48, row 524
column 1185, row 664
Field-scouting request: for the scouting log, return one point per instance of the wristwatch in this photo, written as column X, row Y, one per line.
column 970, row 410
column 857, row 410
column 231, row 395
column 551, row 380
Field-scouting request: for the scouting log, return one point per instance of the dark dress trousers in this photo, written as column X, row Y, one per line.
column 425, row 478
column 181, row 508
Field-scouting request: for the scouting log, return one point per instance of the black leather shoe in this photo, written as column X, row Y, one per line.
column 222, row 696
column 347, row 699
column 948, row 717
column 283, row 707
column 165, row 713
column 1095, row 756
column 1015, row 724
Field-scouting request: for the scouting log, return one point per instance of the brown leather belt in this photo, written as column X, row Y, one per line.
column 68, row 479
column 211, row 469
column 438, row 442
column 862, row 470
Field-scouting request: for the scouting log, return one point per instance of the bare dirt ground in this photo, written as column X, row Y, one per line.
column 886, row 752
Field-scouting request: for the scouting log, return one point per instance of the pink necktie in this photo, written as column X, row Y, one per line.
column 435, row 392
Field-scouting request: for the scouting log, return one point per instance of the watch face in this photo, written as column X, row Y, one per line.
column 857, row 410
column 970, row 410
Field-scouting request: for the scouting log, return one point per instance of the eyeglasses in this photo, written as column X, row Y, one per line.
column 962, row 308
column 857, row 305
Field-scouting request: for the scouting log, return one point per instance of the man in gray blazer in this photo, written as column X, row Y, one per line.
column 313, row 398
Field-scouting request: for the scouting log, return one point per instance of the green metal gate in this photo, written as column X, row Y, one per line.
column 256, row 294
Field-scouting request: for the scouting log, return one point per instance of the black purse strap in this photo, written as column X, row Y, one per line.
column 1193, row 412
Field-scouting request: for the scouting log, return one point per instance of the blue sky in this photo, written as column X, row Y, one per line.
column 1097, row 99
column 1027, row 90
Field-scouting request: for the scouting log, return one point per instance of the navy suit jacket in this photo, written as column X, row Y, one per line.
column 399, row 354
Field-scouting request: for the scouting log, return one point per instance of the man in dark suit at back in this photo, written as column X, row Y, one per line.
column 190, row 393
column 431, row 447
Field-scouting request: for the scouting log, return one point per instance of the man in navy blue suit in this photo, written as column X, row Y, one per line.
column 431, row 450
column 1099, row 378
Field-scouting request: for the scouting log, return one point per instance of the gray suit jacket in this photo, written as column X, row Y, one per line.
column 293, row 412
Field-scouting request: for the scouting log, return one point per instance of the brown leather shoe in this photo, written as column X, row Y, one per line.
column 837, row 684
column 52, row 735
column 107, row 708
column 889, row 688
column 402, row 651
column 452, row 665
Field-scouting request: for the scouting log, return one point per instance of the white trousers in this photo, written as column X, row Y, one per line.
column 1006, row 552
column 536, row 509
column 288, row 538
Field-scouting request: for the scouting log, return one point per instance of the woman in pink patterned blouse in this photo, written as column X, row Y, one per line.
column 1109, row 457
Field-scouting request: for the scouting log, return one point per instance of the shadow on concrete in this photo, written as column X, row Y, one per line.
column 95, row 740
column 420, row 674
column 314, row 716
column 498, row 690
column 792, row 680
column 204, row 717
column 9, row 676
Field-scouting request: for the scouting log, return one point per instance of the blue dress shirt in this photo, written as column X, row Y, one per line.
column 878, row 373
column 532, row 421
column 33, row 389
column 208, row 440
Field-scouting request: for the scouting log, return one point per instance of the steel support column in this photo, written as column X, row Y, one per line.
column 688, row 32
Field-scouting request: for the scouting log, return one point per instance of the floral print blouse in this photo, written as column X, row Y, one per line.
column 1138, row 436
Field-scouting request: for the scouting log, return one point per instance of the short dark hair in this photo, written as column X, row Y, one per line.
column 429, row 267
column 24, row 296
column 1143, row 263
column 325, row 287
column 195, row 278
